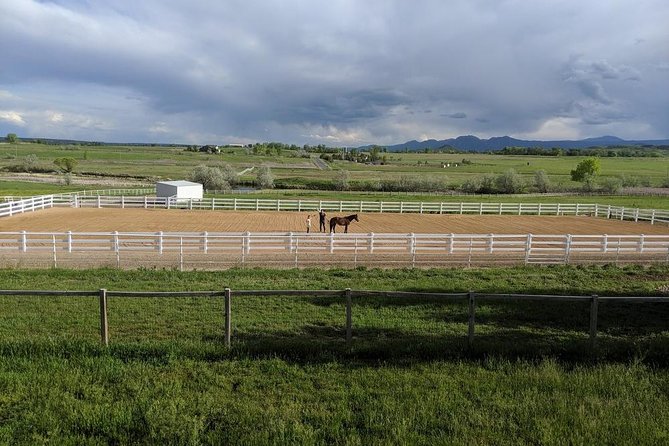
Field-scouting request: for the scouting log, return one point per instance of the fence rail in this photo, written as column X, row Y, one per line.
column 188, row 250
column 137, row 198
column 348, row 295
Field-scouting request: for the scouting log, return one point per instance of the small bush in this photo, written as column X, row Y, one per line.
column 611, row 185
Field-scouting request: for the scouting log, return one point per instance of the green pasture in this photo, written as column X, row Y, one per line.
column 409, row 378
column 152, row 163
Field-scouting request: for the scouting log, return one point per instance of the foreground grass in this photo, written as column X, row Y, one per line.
column 289, row 378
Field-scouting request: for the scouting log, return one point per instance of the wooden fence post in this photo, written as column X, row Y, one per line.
column 228, row 317
column 472, row 308
column 594, row 301
column 104, row 326
column 349, row 319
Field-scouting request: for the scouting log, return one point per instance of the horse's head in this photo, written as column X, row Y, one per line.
column 355, row 217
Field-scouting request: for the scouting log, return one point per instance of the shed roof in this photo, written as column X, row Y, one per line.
column 179, row 183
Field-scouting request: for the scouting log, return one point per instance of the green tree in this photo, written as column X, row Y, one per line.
column 67, row 164
column 12, row 138
column 589, row 167
column 264, row 179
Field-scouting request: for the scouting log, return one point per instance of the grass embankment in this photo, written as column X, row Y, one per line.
column 289, row 378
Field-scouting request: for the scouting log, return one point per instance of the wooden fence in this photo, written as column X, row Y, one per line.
column 118, row 200
column 348, row 295
column 212, row 250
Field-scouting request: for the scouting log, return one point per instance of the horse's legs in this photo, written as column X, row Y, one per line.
column 346, row 229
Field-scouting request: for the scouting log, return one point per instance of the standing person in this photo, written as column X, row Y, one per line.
column 321, row 220
column 308, row 223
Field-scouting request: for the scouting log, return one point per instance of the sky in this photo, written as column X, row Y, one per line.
column 336, row 72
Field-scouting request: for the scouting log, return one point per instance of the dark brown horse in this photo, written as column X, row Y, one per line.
column 342, row 221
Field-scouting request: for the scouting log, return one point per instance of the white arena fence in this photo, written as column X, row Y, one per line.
column 119, row 200
column 219, row 250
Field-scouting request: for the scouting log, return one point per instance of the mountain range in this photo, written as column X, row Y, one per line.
column 472, row 143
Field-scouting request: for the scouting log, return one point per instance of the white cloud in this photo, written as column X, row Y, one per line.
column 12, row 117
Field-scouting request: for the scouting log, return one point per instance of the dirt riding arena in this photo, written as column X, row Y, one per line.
column 291, row 247
column 152, row 220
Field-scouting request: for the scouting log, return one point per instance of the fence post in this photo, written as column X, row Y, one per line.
column 104, row 325
column 491, row 241
column 181, row 253
column 99, row 206
column 247, row 242
column 528, row 248
column 349, row 319
column 122, row 202
column 371, row 242
column 567, row 250
column 472, row 309
column 55, row 258
column 24, row 241
column 205, row 242
column 117, row 249
column 69, row 241
column 228, row 317
column 160, row 242
column 146, row 202
column 593, row 322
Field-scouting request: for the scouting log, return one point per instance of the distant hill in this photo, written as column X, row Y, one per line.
column 472, row 143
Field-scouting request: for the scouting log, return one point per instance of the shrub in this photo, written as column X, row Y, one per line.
column 229, row 174
column 342, row 180
column 211, row 178
column 611, row 185
column 541, row 181
column 264, row 179
column 509, row 182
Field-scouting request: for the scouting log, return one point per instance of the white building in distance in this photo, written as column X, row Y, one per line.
column 179, row 190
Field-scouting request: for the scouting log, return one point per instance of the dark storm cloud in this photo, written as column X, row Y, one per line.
column 344, row 71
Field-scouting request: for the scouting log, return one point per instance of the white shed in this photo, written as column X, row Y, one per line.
column 179, row 189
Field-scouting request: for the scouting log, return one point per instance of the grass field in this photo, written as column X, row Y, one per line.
column 171, row 162
column 289, row 379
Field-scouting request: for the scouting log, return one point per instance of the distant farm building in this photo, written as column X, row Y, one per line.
column 179, row 190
